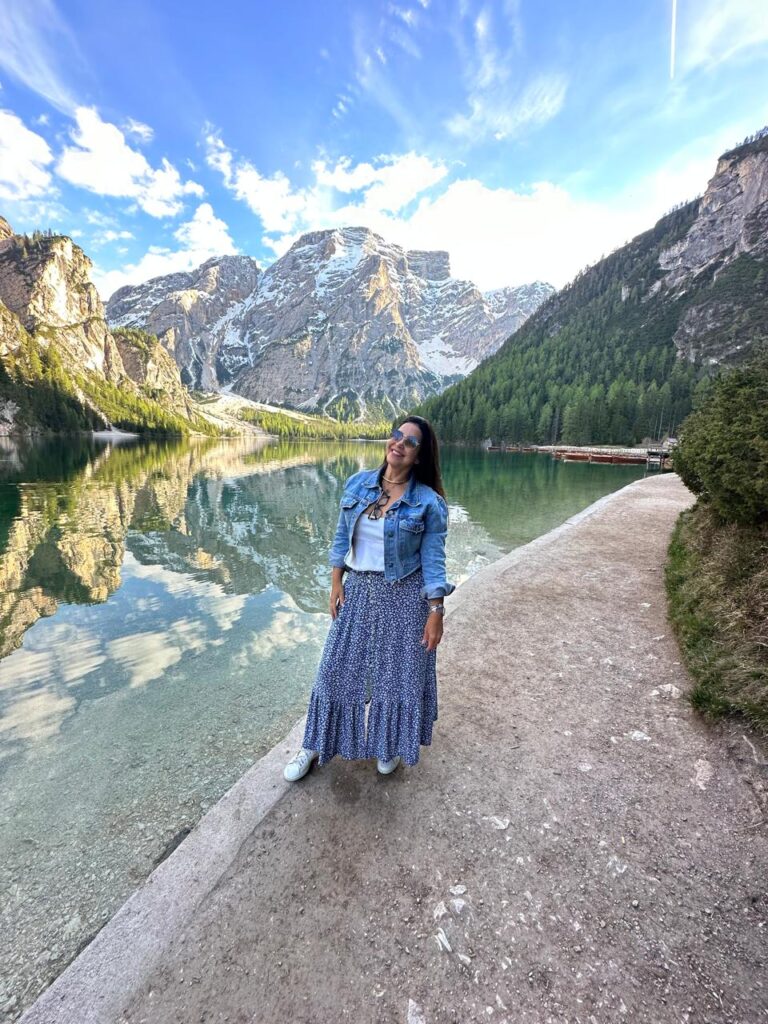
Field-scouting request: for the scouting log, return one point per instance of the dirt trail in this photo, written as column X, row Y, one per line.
column 575, row 846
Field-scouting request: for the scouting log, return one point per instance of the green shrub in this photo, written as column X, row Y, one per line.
column 723, row 451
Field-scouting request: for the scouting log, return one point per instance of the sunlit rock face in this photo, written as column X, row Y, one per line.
column 156, row 371
column 719, row 259
column 49, row 305
column 344, row 323
column 46, row 284
column 188, row 311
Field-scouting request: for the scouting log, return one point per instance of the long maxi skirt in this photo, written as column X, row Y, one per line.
column 374, row 648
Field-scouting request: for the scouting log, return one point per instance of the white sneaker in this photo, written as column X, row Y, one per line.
column 387, row 767
column 300, row 765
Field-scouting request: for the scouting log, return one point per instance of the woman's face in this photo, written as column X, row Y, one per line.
column 400, row 455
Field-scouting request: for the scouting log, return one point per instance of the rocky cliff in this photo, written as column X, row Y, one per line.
column 62, row 367
column 183, row 310
column 724, row 259
column 45, row 282
column 344, row 323
column 153, row 368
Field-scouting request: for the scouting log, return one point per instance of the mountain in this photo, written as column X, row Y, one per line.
column 182, row 310
column 344, row 323
column 618, row 355
column 61, row 367
column 722, row 262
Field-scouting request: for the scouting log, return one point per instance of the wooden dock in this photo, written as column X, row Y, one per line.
column 657, row 457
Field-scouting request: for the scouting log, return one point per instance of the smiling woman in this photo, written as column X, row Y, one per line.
column 388, row 619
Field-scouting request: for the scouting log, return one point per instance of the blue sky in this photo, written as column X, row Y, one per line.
column 525, row 138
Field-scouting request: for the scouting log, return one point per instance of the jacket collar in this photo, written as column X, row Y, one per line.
column 410, row 495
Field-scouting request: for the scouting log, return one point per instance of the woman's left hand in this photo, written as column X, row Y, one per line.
column 433, row 632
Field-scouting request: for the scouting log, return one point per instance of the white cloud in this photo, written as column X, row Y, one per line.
column 205, row 233
column 162, row 195
column 139, row 130
column 711, row 32
column 370, row 75
column 505, row 112
column 404, row 40
column 383, row 187
column 500, row 103
column 99, row 219
column 24, row 158
column 405, row 14
column 503, row 236
column 270, row 198
column 102, row 162
column 496, row 236
column 393, row 184
column 203, row 236
column 107, row 236
column 34, row 39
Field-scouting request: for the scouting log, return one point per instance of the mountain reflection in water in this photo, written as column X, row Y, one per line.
column 214, row 521
column 193, row 530
column 162, row 612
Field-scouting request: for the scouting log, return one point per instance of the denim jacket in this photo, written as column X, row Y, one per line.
column 415, row 527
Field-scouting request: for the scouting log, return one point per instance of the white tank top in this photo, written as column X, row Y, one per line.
column 366, row 553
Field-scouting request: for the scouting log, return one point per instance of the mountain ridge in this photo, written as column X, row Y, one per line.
column 343, row 323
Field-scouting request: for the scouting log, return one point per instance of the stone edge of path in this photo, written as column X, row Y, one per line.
column 97, row 985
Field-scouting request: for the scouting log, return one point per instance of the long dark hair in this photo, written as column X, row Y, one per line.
column 427, row 469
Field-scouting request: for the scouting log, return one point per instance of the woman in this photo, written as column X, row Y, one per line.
column 388, row 617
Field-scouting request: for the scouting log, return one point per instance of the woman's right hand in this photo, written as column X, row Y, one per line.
column 337, row 597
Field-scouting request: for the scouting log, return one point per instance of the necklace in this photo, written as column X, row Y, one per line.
column 396, row 482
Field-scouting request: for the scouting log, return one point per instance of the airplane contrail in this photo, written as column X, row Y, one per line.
column 672, row 40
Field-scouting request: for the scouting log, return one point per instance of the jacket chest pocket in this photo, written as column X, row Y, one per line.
column 412, row 526
column 349, row 501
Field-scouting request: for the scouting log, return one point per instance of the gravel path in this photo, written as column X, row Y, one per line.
column 575, row 846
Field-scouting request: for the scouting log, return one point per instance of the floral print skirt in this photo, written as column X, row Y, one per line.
column 373, row 650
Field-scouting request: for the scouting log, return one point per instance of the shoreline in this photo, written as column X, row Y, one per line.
column 158, row 923
column 145, row 923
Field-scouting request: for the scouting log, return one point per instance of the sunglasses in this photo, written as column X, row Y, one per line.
column 408, row 439
column 376, row 511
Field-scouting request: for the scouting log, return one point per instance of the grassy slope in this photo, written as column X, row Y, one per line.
column 717, row 582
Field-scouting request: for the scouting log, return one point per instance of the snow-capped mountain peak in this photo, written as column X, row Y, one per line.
column 344, row 322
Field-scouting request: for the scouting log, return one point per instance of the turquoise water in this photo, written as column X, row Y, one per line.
column 162, row 611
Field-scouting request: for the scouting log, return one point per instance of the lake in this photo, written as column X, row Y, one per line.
column 162, row 611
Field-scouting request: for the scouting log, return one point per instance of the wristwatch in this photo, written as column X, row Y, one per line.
column 439, row 608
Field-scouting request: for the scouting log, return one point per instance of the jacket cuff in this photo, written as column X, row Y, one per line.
column 437, row 590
